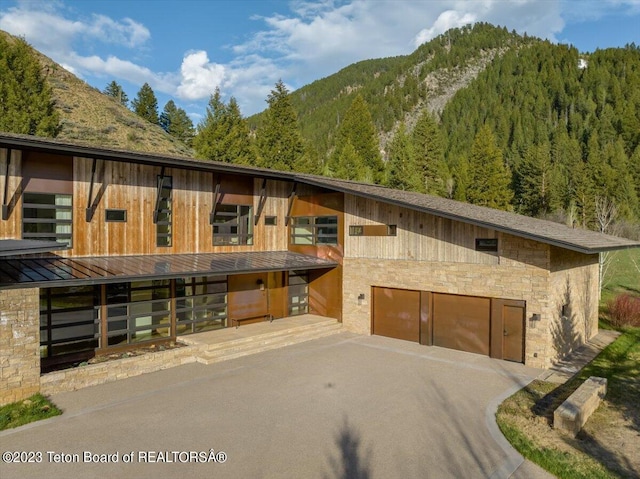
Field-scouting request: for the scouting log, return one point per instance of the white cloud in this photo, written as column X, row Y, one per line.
column 446, row 20
column 199, row 77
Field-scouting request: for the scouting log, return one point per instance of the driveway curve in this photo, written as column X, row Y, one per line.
column 345, row 406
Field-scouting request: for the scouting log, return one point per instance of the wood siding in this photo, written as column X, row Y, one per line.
column 420, row 236
column 12, row 227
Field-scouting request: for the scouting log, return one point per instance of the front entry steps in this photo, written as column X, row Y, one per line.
column 231, row 343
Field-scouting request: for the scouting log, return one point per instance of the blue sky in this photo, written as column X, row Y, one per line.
column 185, row 49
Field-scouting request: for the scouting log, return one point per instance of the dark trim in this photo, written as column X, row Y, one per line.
column 292, row 197
column 5, row 206
column 90, row 209
column 216, row 199
column 160, row 181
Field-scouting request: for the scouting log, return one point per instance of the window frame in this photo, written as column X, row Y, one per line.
column 241, row 219
column 115, row 210
column 487, row 245
column 164, row 209
column 56, row 222
column 314, row 229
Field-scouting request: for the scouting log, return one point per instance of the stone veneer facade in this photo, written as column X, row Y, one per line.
column 19, row 344
column 524, row 270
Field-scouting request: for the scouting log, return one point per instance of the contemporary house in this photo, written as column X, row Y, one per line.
column 104, row 250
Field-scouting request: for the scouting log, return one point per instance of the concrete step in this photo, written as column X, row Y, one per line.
column 294, row 329
column 261, row 344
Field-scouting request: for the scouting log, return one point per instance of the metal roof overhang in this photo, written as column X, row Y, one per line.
column 56, row 271
column 47, row 145
column 13, row 247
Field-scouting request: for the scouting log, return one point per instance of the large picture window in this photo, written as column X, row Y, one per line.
column 312, row 230
column 47, row 216
column 138, row 312
column 69, row 324
column 233, row 225
column 201, row 304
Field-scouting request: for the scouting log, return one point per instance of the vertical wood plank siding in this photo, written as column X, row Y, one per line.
column 133, row 187
column 12, row 228
column 420, row 236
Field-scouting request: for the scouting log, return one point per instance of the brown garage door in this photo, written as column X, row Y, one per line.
column 462, row 322
column 396, row 313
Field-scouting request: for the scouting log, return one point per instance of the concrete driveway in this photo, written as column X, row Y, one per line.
column 344, row 406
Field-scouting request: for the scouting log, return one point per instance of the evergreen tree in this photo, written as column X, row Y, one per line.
column 348, row 165
column 115, row 90
column 145, row 104
column 223, row 135
column 490, row 179
column 26, row 103
column 402, row 170
column 429, row 155
column 279, row 141
column 535, row 181
column 357, row 129
column 176, row 122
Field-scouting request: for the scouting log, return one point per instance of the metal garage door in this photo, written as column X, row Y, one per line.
column 462, row 322
column 396, row 313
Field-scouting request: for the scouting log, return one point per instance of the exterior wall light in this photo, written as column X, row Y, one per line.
column 360, row 298
column 535, row 318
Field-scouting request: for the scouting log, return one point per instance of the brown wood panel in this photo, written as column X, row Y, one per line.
column 396, row 313
column 513, row 336
column 325, row 292
column 277, row 292
column 426, row 313
column 47, row 173
column 462, row 322
column 246, row 299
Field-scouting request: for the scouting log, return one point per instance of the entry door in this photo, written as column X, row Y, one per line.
column 513, row 334
column 248, row 296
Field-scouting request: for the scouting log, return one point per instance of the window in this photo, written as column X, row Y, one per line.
column 298, row 293
column 233, row 225
column 373, row 230
column 162, row 214
column 270, row 220
column 201, row 304
column 487, row 244
column 47, row 216
column 312, row 230
column 138, row 312
column 115, row 216
column 69, row 323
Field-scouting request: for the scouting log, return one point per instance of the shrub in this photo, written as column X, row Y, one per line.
column 624, row 310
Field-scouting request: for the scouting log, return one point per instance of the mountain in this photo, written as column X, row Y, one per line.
column 89, row 116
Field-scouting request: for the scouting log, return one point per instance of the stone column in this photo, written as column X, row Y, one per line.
column 19, row 344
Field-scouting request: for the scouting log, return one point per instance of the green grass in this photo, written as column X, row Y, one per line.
column 620, row 364
column 622, row 276
column 35, row 408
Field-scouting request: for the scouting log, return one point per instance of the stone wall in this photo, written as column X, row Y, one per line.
column 574, row 299
column 522, row 274
column 108, row 371
column 19, row 344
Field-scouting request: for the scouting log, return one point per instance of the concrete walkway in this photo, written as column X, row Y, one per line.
column 344, row 406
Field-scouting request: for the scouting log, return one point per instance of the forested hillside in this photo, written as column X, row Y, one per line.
column 484, row 115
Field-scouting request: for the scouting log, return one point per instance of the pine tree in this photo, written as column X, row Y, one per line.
column 176, row 122
column 429, row 155
column 26, row 103
column 402, row 171
column 145, row 104
column 357, row 129
column 490, row 179
column 279, row 141
column 223, row 135
column 535, row 181
column 115, row 90
column 348, row 165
